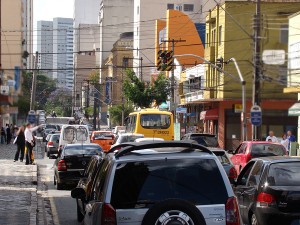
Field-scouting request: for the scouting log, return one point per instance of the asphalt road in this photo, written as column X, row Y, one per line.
column 62, row 205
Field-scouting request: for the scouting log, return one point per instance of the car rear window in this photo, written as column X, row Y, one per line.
column 79, row 150
column 222, row 157
column 138, row 184
column 103, row 136
column 55, row 137
column 206, row 141
column 284, row 174
column 129, row 138
column 267, row 150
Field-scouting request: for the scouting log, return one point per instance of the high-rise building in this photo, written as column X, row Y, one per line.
column 145, row 14
column 115, row 17
column 63, row 52
column 45, row 46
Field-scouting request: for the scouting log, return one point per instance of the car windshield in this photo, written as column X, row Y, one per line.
column 197, row 180
column 206, row 141
column 267, row 150
column 222, row 157
column 82, row 150
column 103, row 135
column 284, row 174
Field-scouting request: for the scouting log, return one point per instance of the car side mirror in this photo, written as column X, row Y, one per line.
column 78, row 193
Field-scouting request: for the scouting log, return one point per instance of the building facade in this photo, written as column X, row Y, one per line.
column 115, row 18
column 225, row 39
column 146, row 12
column 45, row 47
column 63, row 52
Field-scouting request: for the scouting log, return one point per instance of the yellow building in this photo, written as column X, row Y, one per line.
column 229, row 34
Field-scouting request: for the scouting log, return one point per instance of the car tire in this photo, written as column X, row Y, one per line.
column 254, row 220
column 58, row 185
column 176, row 210
column 80, row 216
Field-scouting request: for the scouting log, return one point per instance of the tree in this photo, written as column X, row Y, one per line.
column 60, row 101
column 115, row 112
column 143, row 95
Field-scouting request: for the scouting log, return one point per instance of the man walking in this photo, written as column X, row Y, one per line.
column 291, row 138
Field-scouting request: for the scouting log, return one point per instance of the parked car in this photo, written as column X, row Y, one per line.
column 252, row 149
column 268, row 191
column 52, row 144
column 86, row 183
column 170, row 182
column 228, row 166
column 103, row 138
column 126, row 137
column 71, row 162
column 207, row 140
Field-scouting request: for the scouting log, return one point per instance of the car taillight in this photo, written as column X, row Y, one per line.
column 232, row 173
column 50, row 143
column 232, row 212
column 61, row 166
column 264, row 199
column 108, row 215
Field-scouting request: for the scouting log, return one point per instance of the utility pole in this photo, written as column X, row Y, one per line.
column 172, row 103
column 141, row 69
column 256, row 130
column 33, row 85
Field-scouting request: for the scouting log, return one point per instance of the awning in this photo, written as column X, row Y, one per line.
column 294, row 110
column 212, row 114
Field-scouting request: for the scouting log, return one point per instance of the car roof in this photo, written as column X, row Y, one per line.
column 130, row 134
column 277, row 159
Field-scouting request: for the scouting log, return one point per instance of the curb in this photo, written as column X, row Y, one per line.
column 34, row 200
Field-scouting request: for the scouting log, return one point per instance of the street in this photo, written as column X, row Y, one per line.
column 51, row 207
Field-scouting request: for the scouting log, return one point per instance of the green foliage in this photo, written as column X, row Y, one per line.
column 115, row 113
column 142, row 95
column 60, row 101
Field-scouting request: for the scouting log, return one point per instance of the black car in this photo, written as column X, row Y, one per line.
column 268, row 191
column 86, row 183
column 207, row 140
column 71, row 162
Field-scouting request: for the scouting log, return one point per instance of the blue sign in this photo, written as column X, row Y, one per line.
column 256, row 115
column 17, row 77
column 31, row 118
column 181, row 110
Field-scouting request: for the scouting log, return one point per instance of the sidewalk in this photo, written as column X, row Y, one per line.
column 18, row 189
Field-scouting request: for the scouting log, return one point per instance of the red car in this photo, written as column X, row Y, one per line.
column 253, row 149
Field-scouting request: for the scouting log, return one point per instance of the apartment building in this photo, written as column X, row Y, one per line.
column 63, row 52
column 45, row 47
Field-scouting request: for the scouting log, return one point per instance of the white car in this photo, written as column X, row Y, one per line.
column 126, row 137
column 148, row 139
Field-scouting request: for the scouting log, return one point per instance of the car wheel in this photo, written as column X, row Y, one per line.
column 80, row 216
column 54, row 180
column 58, row 185
column 173, row 211
column 254, row 220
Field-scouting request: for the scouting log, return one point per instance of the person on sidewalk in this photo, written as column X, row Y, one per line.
column 3, row 135
column 29, row 141
column 285, row 142
column 8, row 134
column 272, row 137
column 290, row 137
column 20, row 144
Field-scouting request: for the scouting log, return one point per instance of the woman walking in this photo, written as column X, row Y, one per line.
column 20, row 144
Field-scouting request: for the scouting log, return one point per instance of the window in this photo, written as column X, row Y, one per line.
column 100, row 181
column 242, row 149
column 170, row 6
column 255, row 174
column 149, row 182
column 284, row 174
column 188, row 7
column 284, row 34
column 155, row 121
column 259, row 150
column 243, row 177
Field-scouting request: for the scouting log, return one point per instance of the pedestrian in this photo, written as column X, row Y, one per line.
column 29, row 142
column 285, row 142
column 8, row 134
column 3, row 135
column 272, row 137
column 20, row 144
column 290, row 137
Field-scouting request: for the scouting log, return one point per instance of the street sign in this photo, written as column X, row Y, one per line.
column 181, row 110
column 31, row 116
column 273, row 57
column 256, row 115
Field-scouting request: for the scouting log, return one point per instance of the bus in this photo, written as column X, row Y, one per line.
column 152, row 123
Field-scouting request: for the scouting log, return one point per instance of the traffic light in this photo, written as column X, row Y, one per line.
column 164, row 60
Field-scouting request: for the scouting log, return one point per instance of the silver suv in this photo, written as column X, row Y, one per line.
column 164, row 183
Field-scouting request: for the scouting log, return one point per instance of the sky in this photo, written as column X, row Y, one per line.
column 48, row 9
